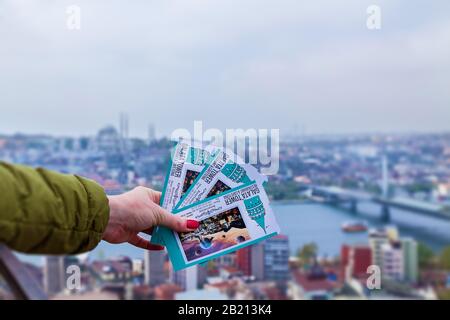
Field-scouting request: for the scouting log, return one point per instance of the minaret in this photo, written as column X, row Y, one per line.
column 151, row 133
column 123, row 129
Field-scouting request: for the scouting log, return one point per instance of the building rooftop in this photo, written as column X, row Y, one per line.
column 280, row 237
column 203, row 294
column 166, row 291
column 92, row 295
column 313, row 284
column 273, row 293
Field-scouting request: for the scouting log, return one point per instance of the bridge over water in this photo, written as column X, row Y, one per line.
column 335, row 196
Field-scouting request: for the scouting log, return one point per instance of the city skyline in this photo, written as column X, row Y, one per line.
column 286, row 134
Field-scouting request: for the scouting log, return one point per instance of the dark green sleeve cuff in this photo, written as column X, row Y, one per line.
column 98, row 212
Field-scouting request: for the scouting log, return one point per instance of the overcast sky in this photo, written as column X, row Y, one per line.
column 231, row 63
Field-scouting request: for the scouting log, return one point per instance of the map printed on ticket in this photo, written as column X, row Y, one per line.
column 219, row 175
column 228, row 221
column 188, row 160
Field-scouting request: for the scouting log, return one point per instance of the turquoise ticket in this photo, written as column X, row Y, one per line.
column 187, row 161
column 228, row 221
column 225, row 171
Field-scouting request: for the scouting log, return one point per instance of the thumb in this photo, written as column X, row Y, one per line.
column 174, row 222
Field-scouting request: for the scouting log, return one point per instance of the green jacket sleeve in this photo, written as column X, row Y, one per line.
column 45, row 212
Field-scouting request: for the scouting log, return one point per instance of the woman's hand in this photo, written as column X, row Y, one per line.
column 138, row 211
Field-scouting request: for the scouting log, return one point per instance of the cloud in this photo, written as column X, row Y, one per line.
column 264, row 63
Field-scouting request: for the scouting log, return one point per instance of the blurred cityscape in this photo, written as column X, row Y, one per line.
column 390, row 173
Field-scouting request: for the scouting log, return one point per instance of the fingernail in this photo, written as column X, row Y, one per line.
column 192, row 224
column 155, row 247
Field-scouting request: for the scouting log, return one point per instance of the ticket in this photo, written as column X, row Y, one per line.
column 225, row 171
column 228, row 222
column 187, row 161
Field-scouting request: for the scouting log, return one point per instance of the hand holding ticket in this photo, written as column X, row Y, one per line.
column 227, row 198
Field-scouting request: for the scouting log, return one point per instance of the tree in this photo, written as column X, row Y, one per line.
column 100, row 254
column 288, row 190
column 211, row 266
column 307, row 253
column 425, row 187
column 425, row 255
column 445, row 258
column 444, row 294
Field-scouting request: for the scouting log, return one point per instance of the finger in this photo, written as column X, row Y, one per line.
column 175, row 222
column 148, row 231
column 155, row 196
column 139, row 242
column 155, row 247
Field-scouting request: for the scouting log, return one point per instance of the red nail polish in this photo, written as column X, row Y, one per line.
column 192, row 224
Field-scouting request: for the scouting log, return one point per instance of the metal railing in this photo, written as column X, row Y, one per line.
column 22, row 283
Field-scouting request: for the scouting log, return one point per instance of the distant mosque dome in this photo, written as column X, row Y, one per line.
column 108, row 140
